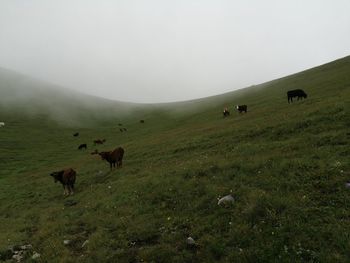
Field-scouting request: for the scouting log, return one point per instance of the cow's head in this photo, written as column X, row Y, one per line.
column 305, row 95
column 57, row 175
column 103, row 155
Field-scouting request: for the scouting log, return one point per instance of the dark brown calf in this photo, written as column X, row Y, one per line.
column 98, row 141
column 67, row 179
column 82, row 146
column 114, row 157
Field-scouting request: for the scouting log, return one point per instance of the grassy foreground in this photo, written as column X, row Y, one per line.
column 285, row 164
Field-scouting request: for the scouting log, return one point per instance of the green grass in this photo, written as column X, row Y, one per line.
column 285, row 164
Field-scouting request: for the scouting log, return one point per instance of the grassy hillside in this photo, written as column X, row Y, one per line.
column 285, row 164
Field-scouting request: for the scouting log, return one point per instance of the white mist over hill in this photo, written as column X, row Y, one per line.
column 159, row 51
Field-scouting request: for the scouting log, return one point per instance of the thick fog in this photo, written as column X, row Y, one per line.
column 163, row 50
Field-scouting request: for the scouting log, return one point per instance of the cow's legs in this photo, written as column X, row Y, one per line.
column 71, row 189
column 65, row 191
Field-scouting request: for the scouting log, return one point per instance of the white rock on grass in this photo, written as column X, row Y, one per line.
column 66, row 242
column 226, row 200
column 26, row 247
column 36, row 256
column 18, row 256
column 190, row 241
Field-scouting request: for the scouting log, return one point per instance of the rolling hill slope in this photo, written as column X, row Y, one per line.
column 285, row 164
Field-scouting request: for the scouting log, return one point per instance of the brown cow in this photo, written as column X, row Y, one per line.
column 113, row 157
column 98, row 141
column 67, row 179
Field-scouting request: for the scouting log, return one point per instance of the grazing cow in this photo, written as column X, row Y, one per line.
column 76, row 134
column 296, row 93
column 241, row 108
column 94, row 152
column 121, row 130
column 142, row 121
column 81, row 146
column 98, row 141
column 113, row 157
column 67, row 179
column 124, row 129
column 226, row 112
column 120, row 124
column 2, row 124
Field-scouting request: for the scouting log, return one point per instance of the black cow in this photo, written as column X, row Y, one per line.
column 76, row 134
column 296, row 93
column 142, row 121
column 81, row 146
column 242, row 108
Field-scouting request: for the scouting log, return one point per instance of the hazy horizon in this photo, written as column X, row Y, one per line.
column 164, row 51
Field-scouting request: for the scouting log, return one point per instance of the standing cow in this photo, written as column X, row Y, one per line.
column 114, row 157
column 82, row 146
column 98, row 141
column 67, row 179
column 226, row 113
column 296, row 93
column 242, row 108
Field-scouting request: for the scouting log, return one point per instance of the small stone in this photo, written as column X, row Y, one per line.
column 190, row 241
column 36, row 256
column 19, row 256
column 26, row 247
column 67, row 242
column 226, row 199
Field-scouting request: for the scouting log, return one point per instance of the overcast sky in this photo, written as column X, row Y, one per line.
column 169, row 50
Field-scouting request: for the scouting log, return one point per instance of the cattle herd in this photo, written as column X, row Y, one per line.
column 67, row 177
column 298, row 93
